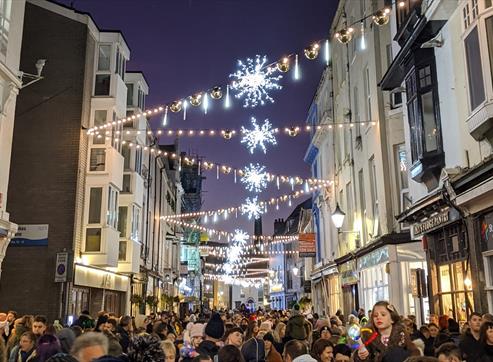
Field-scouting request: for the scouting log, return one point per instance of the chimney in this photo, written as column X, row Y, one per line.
column 279, row 226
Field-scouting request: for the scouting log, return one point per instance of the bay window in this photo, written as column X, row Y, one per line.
column 112, row 212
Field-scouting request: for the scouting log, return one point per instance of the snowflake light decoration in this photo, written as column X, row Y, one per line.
column 240, row 237
column 258, row 136
column 255, row 178
column 253, row 82
column 252, row 208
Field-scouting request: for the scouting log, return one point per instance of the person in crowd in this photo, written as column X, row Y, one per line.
column 202, row 358
column 244, row 324
column 47, row 346
column 486, row 343
column 27, row 347
column 323, row 350
column 434, row 330
column 470, row 344
column 85, row 321
column 444, row 334
column 425, row 336
column 230, row 353
column 234, row 336
column 123, row 332
column 421, row 359
column 433, row 319
column 388, row 341
column 297, row 327
column 342, row 353
column 214, row 331
column 169, row 350
column 145, row 348
column 297, row 351
column 77, row 330
column 21, row 325
column 89, row 346
column 321, row 323
column 66, row 336
column 279, row 334
column 449, row 352
column 253, row 349
column 39, row 325
column 271, row 354
column 252, row 330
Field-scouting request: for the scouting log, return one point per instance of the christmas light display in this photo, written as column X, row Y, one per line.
column 252, row 208
column 253, row 81
column 255, row 178
column 258, row 136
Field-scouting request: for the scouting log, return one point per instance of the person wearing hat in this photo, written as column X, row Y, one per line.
column 271, row 354
column 189, row 349
column 234, row 336
column 214, row 331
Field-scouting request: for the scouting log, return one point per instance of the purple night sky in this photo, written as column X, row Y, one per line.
column 185, row 46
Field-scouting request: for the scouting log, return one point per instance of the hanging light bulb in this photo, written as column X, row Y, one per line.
column 362, row 44
column 327, row 52
column 216, row 93
column 165, row 117
column 296, row 68
column 206, row 103
column 227, row 100
column 344, row 35
column 185, row 106
column 283, row 65
column 312, row 51
column 196, row 99
column 381, row 17
column 175, row 106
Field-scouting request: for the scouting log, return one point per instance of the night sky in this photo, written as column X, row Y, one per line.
column 187, row 46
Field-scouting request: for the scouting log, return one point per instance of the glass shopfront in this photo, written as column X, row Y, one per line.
column 374, row 286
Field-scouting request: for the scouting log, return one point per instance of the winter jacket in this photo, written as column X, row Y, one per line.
column 304, row 358
column 398, row 349
column 273, row 355
column 253, row 350
column 471, row 347
column 443, row 337
column 26, row 356
column 485, row 354
column 123, row 338
column 208, row 348
column 297, row 328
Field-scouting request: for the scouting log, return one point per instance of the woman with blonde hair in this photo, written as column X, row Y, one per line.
column 279, row 334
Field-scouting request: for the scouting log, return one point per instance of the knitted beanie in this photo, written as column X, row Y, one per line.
column 197, row 330
column 215, row 327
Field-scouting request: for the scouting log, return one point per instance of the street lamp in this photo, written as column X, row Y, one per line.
column 338, row 217
column 295, row 270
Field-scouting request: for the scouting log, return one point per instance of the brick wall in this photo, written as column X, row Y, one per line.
column 45, row 156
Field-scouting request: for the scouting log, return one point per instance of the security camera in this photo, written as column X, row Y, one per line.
column 436, row 42
column 40, row 65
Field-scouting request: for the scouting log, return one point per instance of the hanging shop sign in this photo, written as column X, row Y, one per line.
column 374, row 258
column 487, row 230
column 434, row 222
column 307, row 248
column 31, row 235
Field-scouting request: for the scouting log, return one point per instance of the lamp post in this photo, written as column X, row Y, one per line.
column 338, row 217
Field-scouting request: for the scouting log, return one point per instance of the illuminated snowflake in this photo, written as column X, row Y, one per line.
column 258, row 136
column 252, row 208
column 240, row 237
column 253, row 81
column 255, row 178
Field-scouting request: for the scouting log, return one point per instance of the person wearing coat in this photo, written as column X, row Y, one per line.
column 271, row 354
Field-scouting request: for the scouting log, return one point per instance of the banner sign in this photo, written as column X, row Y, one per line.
column 61, row 267
column 307, row 248
column 31, row 235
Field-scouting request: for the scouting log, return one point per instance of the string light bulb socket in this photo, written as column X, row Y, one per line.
column 227, row 134
column 216, row 93
column 283, row 65
column 381, row 17
column 175, row 106
column 344, row 35
column 312, row 51
column 196, row 99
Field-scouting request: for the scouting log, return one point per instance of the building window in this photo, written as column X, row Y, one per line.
column 104, row 57
column 112, row 213
column 130, row 94
column 5, row 11
column 474, row 69
column 93, row 239
column 97, row 159
column 138, row 160
column 141, row 99
column 404, row 10
column 120, row 64
column 122, row 250
column 489, row 37
column 367, row 95
column 100, row 117
column 126, row 183
column 126, row 153
column 374, row 194
column 102, row 85
column 95, row 202
column 455, row 299
column 122, row 221
column 135, row 235
column 422, row 106
column 362, row 205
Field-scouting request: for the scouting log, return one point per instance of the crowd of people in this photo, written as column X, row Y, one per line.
column 382, row 335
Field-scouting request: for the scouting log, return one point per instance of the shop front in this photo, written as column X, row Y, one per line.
column 97, row 289
column 349, row 287
column 326, row 289
column 374, row 277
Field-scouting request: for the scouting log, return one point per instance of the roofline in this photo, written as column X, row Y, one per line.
column 139, row 72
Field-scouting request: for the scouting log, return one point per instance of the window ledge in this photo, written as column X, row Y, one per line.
column 480, row 123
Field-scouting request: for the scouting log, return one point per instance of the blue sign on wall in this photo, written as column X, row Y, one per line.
column 31, row 235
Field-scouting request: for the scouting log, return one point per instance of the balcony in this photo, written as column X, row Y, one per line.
column 480, row 123
column 132, row 189
column 106, row 166
column 101, row 246
column 129, row 256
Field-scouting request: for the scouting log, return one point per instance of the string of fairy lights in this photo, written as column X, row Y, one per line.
column 256, row 77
